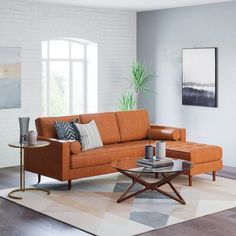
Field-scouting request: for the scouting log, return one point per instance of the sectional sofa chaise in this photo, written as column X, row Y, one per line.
column 124, row 134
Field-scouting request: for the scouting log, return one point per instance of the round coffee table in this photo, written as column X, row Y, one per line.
column 39, row 144
column 167, row 173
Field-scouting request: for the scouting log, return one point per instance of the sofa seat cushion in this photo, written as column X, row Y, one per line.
column 106, row 124
column 133, row 125
column 108, row 153
column 194, row 152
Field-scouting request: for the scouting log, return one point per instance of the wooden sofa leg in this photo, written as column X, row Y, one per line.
column 156, row 175
column 39, row 178
column 190, row 180
column 214, row 175
column 69, row 185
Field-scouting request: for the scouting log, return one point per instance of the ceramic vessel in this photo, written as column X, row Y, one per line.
column 160, row 149
column 24, row 128
column 31, row 138
column 149, row 152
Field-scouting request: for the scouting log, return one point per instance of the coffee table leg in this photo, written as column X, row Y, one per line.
column 135, row 179
column 174, row 189
column 124, row 197
column 166, row 180
column 151, row 186
column 126, row 191
column 180, row 200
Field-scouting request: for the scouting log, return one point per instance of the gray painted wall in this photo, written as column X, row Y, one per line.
column 161, row 37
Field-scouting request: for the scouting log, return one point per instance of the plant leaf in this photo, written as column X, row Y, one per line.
column 139, row 78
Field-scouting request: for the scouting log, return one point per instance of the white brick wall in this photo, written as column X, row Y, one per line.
column 25, row 24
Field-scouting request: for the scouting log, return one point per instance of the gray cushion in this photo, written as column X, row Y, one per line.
column 66, row 131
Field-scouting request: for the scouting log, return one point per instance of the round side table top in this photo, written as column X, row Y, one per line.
column 25, row 145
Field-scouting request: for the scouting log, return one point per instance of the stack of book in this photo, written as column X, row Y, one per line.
column 155, row 163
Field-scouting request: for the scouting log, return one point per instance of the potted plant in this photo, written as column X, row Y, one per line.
column 139, row 80
column 127, row 101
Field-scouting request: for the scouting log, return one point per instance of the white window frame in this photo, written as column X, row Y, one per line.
column 70, row 61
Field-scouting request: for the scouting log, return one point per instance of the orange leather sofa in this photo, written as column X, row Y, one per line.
column 124, row 134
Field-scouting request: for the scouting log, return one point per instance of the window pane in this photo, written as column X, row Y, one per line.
column 44, row 87
column 92, row 87
column 59, row 88
column 77, row 51
column 92, row 52
column 59, row 49
column 44, row 49
column 64, row 90
column 78, row 88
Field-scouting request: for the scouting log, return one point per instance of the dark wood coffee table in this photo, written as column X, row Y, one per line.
column 167, row 174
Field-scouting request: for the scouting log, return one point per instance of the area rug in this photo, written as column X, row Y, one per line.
column 91, row 204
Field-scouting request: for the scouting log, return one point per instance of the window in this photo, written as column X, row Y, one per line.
column 69, row 74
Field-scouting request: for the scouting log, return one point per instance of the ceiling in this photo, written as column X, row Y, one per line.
column 135, row 5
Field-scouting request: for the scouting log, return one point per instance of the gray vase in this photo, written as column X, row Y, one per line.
column 24, row 128
column 149, row 152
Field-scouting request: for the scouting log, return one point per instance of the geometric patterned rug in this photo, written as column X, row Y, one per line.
column 91, row 204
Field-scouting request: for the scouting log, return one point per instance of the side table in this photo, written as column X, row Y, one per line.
column 39, row 144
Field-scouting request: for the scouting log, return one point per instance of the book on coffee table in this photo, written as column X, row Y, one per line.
column 155, row 163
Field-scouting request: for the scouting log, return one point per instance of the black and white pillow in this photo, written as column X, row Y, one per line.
column 66, row 131
column 89, row 135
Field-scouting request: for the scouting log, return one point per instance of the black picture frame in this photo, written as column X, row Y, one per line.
column 199, row 77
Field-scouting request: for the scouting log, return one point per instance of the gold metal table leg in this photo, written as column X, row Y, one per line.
column 21, row 171
column 26, row 189
column 22, row 180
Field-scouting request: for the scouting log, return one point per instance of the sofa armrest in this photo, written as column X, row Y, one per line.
column 52, row 161
column 167, row 129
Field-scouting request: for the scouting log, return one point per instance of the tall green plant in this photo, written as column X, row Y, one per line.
column 127, row 101
column 138, row 79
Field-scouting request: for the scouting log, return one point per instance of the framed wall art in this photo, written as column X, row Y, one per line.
column 10, row 77
column 199, row 85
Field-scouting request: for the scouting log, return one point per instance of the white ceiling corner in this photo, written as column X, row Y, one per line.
column 134, row 5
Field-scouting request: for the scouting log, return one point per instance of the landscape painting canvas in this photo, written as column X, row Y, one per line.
column 199, row 77
column 10, row 77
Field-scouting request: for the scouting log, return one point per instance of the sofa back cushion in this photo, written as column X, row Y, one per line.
column 106, row 124
column 45, row 125
column 133, row 125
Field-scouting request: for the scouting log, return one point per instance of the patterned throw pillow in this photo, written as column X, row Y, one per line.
column 89, row 135
column 66, row 131
column 77, row 120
